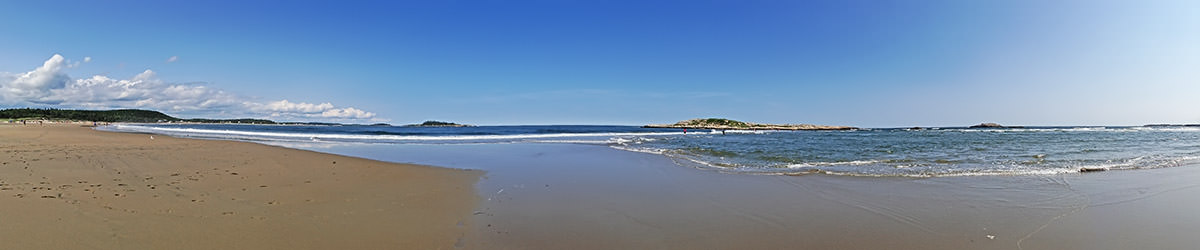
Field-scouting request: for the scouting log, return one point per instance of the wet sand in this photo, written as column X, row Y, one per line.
column 555, row 196
column 69, row 187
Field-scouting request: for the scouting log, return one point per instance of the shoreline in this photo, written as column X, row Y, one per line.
column 584, row 196
column 70, row 187
column 568, row 196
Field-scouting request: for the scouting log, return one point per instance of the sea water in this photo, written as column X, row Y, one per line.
column 931, row 152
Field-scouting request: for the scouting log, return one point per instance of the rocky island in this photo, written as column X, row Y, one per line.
column 727, row 124
column 993, row 125
column 438, row 124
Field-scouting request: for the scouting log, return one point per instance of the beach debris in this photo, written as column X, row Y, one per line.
column 991, row 237
column 501, row 191
column 1086, row 169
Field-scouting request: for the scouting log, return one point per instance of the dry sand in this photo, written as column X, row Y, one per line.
column 69, row 187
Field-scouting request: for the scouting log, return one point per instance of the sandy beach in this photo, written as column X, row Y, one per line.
column 71, row 187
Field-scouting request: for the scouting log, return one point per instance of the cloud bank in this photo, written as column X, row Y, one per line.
column 49, row 85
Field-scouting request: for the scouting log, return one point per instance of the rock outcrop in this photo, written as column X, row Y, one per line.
column 993, row 125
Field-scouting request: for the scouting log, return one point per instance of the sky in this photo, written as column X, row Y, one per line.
column 857, row 63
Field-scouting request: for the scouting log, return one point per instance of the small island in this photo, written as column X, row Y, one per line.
column 727, row 124
column 993, row 125
column 438, row 124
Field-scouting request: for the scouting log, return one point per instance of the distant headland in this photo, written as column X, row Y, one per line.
column 117, row 115
column 727, row 124
column 151, row 116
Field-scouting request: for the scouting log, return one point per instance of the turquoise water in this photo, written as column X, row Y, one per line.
column 868, row 152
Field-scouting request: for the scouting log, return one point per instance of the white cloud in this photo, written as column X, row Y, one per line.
column 323, row 110
column 172, row 59
column 87, row 59
column 36, row 84
column 286, row 106
column 347, row 113
column 49, row 85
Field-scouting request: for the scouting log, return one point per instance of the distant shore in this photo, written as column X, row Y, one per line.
column 64, row 186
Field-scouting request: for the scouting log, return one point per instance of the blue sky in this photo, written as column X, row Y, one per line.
column 860, row 63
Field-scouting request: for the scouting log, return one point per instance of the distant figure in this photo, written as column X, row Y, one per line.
column 685, row 131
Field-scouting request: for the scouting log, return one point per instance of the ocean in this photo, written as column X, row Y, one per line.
column 930, row 152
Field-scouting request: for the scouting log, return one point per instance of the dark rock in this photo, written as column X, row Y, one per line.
column 988, row 125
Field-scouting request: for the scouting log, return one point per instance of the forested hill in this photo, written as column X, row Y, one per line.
column 119, row 115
